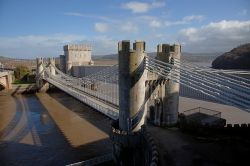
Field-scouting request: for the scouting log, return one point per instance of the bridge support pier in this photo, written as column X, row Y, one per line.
column 172, row 89
column 41, row 85
column 132, row 77
column 6, row 79
column 166, row 103
column 9, row 81
column 52, row 63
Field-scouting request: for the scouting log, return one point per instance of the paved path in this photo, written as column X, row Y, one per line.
column 233, row 115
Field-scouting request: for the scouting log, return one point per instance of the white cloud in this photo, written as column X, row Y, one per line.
column 193, row 18
column 92, row 16
column 137, row 7
column 155, row 23
column 185, row 20
column 33, row 46
column 129, row 27
column 157, row 4
column 216, row 36
column 103, row 45
column 142, row 7
column 101, row 27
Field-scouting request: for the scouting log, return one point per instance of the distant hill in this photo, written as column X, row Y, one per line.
column 13, row 62
column 105, row 57
column 237, row 58
column 189, row 57
column 4, row 58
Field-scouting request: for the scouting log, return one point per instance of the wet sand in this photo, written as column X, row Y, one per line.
column 50, row 129
column 6, row 116
column 77, row 130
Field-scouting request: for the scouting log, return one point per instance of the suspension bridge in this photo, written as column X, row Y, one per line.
column 101, row 90
column 139, row 85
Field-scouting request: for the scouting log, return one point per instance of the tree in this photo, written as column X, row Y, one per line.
column 21, row 72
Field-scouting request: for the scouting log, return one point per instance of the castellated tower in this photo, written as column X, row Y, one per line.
column 132, row 77
column 125, row 134
column 165, row 107
column 165, row 52
column 77, row 55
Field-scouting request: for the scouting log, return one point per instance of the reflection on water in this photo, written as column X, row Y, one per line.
column 45, row 119
column 41, row 130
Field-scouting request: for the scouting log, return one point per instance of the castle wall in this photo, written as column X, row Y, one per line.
column 62, row 63
column 83, row 71
column 76, row 55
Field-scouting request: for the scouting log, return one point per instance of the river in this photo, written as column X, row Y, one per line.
column 50, row 129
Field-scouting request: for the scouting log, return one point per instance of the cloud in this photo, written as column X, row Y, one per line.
column 33, row 46
column 84, row 15
column 155, row 23
column 101, row 27
column 216, row 36
column 193, row 18
column 129, row 27
column 142, row 7
column 185, row 20
column 103, row 45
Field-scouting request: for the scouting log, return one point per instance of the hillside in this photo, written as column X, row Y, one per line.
column 189, row 57
column 237, row 58
column 112, row 59
column 11, row 63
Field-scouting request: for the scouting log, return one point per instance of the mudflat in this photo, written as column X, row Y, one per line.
column 50, row 129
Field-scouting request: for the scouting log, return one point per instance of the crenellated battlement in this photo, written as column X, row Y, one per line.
column 52, row 60
column 77, row 47
column 76, row 55
column 124, row 46
column 138, row 46
column 166, row 51
column 166, row 48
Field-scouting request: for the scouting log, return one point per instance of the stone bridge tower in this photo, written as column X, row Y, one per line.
column 132, row 77
column 41, row 84
column 164, row 100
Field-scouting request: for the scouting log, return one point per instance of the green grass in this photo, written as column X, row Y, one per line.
column 21, row 82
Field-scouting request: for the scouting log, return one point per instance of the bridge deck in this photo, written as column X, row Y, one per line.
column 105, row 108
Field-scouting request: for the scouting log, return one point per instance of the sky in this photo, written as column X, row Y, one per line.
column 40, row 28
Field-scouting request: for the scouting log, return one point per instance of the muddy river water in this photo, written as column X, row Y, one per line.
column 50, row 129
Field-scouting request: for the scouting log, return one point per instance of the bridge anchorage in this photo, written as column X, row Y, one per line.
column 143, row 88
column 41, row 74
column 6, row 78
